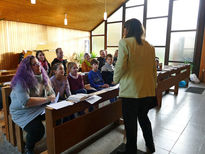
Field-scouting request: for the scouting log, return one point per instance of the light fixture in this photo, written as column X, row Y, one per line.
column 65, row 20
column 33, row 1
column 105, row 13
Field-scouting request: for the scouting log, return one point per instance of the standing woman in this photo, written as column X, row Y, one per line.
column 42, row 59
column 136, row 72
column 31, row 90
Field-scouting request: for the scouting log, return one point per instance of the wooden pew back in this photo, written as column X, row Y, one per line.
column 14, row 133
column 64, row 136
column 170, row 78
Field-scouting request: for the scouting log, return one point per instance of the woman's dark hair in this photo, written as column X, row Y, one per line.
column 134, row 29
column 38, row 52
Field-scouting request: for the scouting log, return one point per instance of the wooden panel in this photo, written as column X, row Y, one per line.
column 5, row 98
column 50, row 123
column 6, row 78
column 12, row 134
column 202, row 65
column 19, row 138
column 58, row 114
column 82, row 14
column 37, row 37
column 90, row 123
column 53, row 115
column 8, row 60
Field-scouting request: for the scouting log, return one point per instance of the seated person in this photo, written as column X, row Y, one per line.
column 59, row 59
column 158, row 65
column 86, row 67
column 108, row 70
column 42, row 59
column 95, row 78
column 59, row 82
column 101, row 59
column 115, row 57
column 31, row 90
column 76, row 80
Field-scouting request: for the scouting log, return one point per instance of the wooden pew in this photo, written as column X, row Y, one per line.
column 169, row 78
column 64, row 136
column 14, row 133
column 55, row 134
column 6, row 78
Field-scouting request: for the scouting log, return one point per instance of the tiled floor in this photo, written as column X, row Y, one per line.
column 178, row 127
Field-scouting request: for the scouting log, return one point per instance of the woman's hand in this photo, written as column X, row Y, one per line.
column 105, row 86
column 51, row 98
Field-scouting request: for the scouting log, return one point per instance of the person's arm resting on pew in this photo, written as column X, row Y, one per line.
column 35, row 101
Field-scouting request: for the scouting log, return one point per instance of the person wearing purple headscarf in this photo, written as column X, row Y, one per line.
column 31, row 91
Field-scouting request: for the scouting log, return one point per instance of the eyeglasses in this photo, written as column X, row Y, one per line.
column 36, row 64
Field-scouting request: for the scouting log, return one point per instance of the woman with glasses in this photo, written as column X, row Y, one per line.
column 31, row 91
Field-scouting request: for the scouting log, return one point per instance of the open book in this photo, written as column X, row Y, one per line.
column 78, row 97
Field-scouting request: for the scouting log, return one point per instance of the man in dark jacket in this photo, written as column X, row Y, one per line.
column 101, row 59
column 59, row 59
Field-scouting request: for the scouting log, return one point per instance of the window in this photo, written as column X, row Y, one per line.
column 117, row 16
column 97, row 44
column 134, row 2
column 135, row 12
column 156, row 31
column 114, row 33
column 160, row 53
column 182, row 46
column 111, row 50
column 157, row 8
column 185, row 13
column 100, row 30
column 177, row 42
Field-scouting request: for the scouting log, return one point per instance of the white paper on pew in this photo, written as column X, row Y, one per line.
column 77, row 97
column 116, row 86
column 55, row 101
column 93, row 99
column 60, row 105
column 111, row 88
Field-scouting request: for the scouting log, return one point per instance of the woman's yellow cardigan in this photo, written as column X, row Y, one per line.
column 135, row 69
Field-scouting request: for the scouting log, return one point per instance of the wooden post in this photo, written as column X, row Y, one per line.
column 19, row 138
column 5, row 98
column 50, row 139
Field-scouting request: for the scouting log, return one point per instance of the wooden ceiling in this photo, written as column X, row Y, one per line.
column 82, row 14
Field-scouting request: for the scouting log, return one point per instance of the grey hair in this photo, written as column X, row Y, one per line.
column 86, row 54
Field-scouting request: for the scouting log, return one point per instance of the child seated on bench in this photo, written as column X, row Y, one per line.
column 77, row 84
column 76, row 80
column 95, row 78
column 59, row 82
column 108, row 70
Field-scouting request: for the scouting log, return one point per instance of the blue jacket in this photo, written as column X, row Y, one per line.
column 95, row 79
